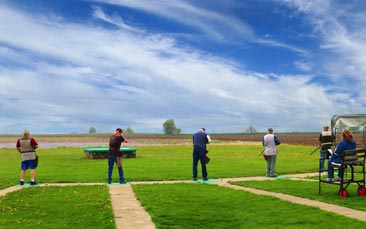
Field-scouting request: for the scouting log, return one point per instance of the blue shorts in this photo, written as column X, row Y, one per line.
column 28, row 165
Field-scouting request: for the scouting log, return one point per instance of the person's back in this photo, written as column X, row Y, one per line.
column 115, row 155
column 200, row 139
column 269, row 144
column 27, row 146
column 345, row 145
column 115, row 141
column 326, row 140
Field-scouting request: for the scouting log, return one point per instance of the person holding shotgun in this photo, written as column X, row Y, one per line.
column 115, row 155
column 270, row 141
column 326, row 139
column 200, row 139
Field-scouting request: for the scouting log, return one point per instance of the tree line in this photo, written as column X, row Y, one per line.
column 169, row 128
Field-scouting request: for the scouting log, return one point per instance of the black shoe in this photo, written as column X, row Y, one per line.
column 122, row 182
column 194, row 178
column 33, row 183
column 21, row 182
column 205, row 179
column 109, row 181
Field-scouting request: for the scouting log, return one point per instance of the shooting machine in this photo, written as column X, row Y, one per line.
column 351, row 159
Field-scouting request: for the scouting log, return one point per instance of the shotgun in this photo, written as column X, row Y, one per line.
column 261, row 152
column 314, row 150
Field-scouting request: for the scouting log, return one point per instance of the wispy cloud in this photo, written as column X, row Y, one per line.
column 340, row 26
column 80, row 75
column 114, row 19
column 209, row 23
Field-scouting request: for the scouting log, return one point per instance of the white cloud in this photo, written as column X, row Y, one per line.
column 208, row 22
column 79, row 76
column 340, row 25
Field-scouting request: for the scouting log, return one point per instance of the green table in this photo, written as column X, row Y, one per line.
column 101, row 153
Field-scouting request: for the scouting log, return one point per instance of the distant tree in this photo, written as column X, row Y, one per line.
column 170, row 128
column 92, row 130
column 129, row 130
column 177, row 131
column 251, row 129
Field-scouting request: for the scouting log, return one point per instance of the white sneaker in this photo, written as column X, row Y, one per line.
column 338, row 179
column 329, row 179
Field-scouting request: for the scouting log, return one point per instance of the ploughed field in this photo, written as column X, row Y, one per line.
column 102, row 139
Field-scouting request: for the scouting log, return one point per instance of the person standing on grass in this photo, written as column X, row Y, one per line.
column 27, row 146
column 326, row 141
column 348, row 143
column 115, row 155
column 270, row 141
column 200, row 139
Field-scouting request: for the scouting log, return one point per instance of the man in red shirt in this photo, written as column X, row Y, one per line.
column 27, row 148
column 115, row 155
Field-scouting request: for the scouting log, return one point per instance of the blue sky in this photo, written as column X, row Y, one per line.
column 220, row 64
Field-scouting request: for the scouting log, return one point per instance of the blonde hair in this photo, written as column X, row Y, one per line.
column 347, row 134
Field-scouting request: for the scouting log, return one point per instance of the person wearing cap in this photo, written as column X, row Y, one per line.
column 200, row 139
column 270, row 141
column 115, row 155
column 326, row 139
column 27, row 146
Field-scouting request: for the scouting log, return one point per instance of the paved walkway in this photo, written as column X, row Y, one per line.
column 129, row 213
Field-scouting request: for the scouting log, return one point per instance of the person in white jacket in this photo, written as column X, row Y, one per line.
column 270, row 141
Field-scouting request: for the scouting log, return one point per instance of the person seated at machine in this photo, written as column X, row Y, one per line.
column 347, row 143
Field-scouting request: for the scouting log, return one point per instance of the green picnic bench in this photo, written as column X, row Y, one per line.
column 101, row 153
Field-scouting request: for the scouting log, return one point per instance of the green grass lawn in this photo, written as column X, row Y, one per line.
column 171, row 206
column 155, row 163
column 209, row 206
column 57, row 207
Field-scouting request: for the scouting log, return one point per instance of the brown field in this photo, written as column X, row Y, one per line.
column 86, row 140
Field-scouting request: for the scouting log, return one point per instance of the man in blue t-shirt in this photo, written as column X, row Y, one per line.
column 200, row 139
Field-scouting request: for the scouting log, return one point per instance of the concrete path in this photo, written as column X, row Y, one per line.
column 3, row 192
column 129, row 213
column 352, row 213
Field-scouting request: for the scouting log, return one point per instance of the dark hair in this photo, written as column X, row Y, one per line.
column 119, row 130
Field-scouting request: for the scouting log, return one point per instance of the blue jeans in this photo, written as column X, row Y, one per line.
column 323, row 154
column 111, row 161
column 199, row 154
column 331, row 169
